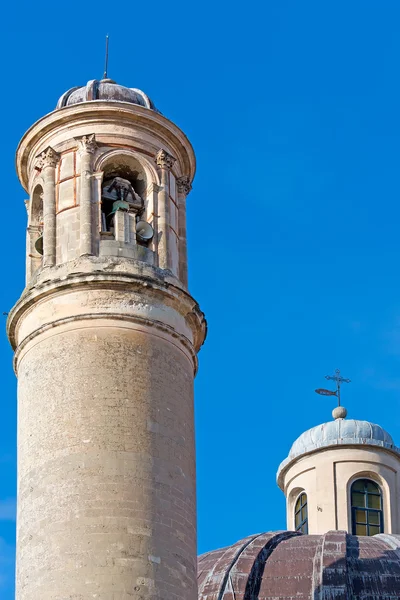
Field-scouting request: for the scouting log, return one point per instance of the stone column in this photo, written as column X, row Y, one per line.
column 86, row 148
column 184, row 187
column 165, row 161
column 131, row 228
column 120, row 226
column 48, row 160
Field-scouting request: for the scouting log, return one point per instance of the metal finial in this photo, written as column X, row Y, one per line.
column 339, row 412
column 106, row 60
column 339, row 380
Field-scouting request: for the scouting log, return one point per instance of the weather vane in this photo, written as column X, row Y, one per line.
column 106, row 61
column 339, row 380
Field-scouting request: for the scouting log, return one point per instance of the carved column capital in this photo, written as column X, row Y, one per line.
column 47, row 158
column 87, row 143
column 184, row 185
column 165, row 160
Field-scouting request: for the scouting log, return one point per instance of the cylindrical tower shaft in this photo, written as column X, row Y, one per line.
column 106, row 468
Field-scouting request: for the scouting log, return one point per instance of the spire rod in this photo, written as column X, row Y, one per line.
column 106, row 60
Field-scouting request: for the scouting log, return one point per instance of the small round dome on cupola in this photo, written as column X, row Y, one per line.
column 107, row 90
column 340, row 432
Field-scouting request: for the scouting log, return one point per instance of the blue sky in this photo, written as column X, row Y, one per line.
column 293, row 221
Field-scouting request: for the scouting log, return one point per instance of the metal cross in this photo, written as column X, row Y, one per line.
column 339, row 380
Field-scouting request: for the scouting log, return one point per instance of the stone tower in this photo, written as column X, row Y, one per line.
column 105, row 337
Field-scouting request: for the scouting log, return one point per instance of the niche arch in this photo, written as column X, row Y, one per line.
column 36, row 206
column 34, row 237
column 130, row 163
column 124, row 165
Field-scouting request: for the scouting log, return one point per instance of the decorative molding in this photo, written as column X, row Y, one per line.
column 69, row 278
column 79, row 118
column 191, row 352
column 87, row 143
column 165, row 160
column 47, row 158
column 184, row 185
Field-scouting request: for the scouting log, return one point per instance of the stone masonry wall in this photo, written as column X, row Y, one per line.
column 106, row 466
column 67, row 235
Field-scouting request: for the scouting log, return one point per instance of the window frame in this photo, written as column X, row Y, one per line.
column 302, row 527
column 366, row 508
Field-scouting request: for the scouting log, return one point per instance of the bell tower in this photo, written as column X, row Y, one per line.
column 106, row 336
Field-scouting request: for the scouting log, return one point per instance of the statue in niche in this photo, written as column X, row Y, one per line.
column 118, row 194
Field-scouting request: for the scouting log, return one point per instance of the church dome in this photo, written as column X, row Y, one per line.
column 340, row 432
column 286, row 564
column 105, row 89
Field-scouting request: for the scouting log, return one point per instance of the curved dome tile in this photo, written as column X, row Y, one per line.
column 105, row 89
column 340, row 432
column 285, row 564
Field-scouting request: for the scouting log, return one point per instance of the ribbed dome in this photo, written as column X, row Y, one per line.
column 105, row 89
column 285, row 565
column 341, row 431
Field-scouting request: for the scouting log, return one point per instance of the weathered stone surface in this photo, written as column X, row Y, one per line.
column 288, row 565
column 106, row 465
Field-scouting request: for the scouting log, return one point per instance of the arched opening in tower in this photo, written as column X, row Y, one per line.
column 35, row 230
column 123, row 188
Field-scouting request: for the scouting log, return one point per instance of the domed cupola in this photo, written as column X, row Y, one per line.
column 343, row 474
column 340, row 432
column 105, row 89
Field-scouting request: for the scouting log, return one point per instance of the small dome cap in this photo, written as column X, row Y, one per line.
column 105, row 89
column 340, row 432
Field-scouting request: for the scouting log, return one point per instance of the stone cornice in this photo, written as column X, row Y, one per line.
column 171, row 295
column 356, row 447
column 81, row 117
column 114, row 316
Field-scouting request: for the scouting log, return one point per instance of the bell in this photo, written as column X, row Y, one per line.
column 39, row 245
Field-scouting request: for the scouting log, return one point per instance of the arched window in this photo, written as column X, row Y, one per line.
column 301, row 514
column 366, row 508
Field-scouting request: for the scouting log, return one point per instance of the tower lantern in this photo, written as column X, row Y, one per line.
column 105, row 337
